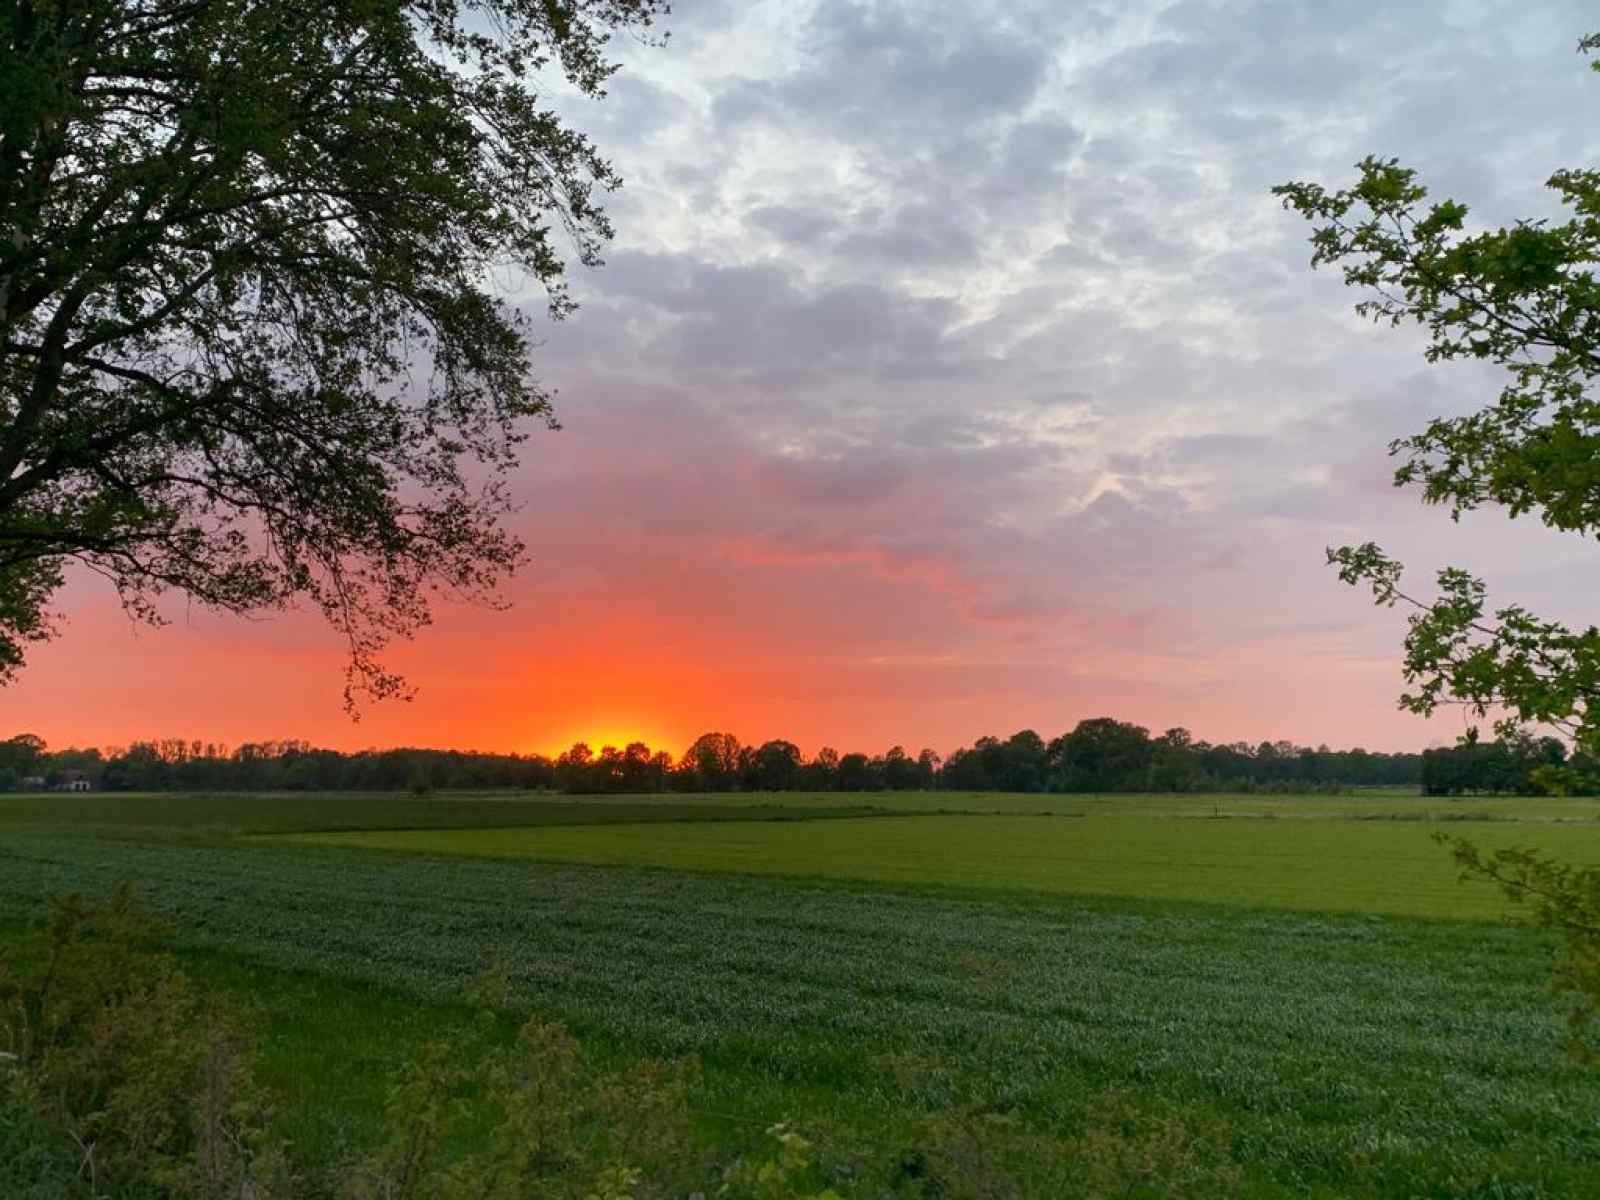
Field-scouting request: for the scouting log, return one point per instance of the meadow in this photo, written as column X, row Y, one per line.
column 1300, row 979
column 1331, row 865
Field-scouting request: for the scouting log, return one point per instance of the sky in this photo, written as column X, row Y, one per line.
column 953, row 372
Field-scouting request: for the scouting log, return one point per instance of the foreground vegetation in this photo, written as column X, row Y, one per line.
column 933, row 1016
column 129, row 1083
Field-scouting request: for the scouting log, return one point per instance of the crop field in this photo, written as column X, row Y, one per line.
column 1327, row 865
column 233, row 813
column 1303, row 977
column 201, row 816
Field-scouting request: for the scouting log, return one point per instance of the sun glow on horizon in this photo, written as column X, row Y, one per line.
column 620, row 736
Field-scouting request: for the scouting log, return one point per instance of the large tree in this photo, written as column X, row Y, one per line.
column 254, row 340
column 713, row 762
column 1524, row 298
column 1101, row 755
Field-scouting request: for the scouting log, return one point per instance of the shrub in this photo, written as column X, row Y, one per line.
column 121, row 1079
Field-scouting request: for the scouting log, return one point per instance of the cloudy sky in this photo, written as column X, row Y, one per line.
column 954, row 372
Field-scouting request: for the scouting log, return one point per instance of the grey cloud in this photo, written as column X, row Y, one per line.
column 1271, row 56
column 746, row 100
column 793, row 224
column 635, row 110
column 1062, row 399
column 1222, row 449
column 849, row 482
column 917, row 233
column 1074, row 254
column 762, row 317
column 1034, row 158
column 878, row 65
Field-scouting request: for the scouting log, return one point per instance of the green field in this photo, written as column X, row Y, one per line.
column 1302, row 977
column 225, row 814
column 200, row 816
column 1322, row 865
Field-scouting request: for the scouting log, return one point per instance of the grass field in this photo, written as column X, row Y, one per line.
column 227, row 814
column 1317, row 987
column 210, row 816
column 1325, row 865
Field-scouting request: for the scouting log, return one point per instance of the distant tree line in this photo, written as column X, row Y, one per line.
column 1106, row 755
column 1520, row 765
column 183, row 765
column 1098, row 755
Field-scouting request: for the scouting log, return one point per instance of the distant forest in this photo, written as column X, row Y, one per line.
column 1099, row 755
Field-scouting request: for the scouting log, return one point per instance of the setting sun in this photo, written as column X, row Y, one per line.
column 618, row 735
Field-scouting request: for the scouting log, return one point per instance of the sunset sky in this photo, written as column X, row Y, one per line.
column 953, row 372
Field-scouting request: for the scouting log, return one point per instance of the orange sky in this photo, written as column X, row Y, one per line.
column 486, row 683
column 720, row 608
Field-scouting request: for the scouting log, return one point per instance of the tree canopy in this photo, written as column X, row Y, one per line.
column 1525, row 299
column 249, row 344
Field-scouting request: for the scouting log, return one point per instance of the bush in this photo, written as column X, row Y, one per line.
column 119, row 1080
column 122, row 1081
column 558, row 1132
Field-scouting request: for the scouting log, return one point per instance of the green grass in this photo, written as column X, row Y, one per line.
column 227, row 814
column 1325, row 865
column 857, row 973
column 230, row 813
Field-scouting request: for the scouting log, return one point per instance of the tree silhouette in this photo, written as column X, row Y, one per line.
column 248, row 346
